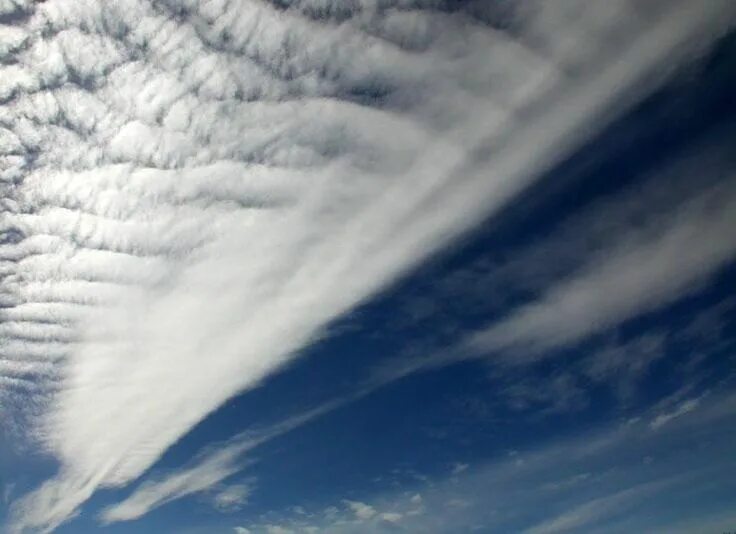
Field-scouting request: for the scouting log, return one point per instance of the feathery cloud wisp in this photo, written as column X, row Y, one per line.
column 647, row 268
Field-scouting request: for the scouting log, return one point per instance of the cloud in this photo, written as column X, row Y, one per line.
column 193, row 192
column 391, row 517
column 717, row 522
column 633, row 253
column 683, row 408
column 459, row 468
column 600, row 476
column 232, row 497
column 458, row 503
column 619, row 477
column 361, row 510
column 212, row 467
column 594, row 511
column 647, row 268
column 568, row 482
column 350, row 516
column 625, row 364
column 597, row 477
column 210, row 471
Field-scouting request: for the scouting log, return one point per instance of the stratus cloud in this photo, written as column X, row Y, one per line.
column 218, row 172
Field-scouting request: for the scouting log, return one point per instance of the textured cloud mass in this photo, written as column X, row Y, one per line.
column 191, row 190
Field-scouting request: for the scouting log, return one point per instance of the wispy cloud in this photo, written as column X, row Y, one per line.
column 212, row 470
column 459, row 468
column 683, row 408
column 192, row 192
column 232, row 498
column 619, row 258
column 611, row 478
column 596, row 510
column 648, row 268
column 212, row 467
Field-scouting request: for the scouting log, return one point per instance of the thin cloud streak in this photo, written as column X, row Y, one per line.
column 599, row 477
column 649, row 269
column 213, row 467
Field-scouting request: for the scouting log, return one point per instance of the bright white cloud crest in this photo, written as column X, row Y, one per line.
column 193, row 189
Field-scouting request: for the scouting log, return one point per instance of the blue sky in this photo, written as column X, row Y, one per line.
column 395, row 266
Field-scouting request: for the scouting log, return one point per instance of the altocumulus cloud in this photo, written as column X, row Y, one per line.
column 192, row 190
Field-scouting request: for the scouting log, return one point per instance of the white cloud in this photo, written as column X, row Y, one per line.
column 592, row 478
column 190, row 204
column 566, row 483
column 361, row 510
column 683, row 408
column 645, row 248
column 211, row 470
column 459, row 468
column 350, row 517
column 594, row 511
column 647, row 268
column 625, row 255
column 391, row 517
column 232, row 497
column 547, row 492
column 242, row 530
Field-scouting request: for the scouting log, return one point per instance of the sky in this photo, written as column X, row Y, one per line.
column 347, row 266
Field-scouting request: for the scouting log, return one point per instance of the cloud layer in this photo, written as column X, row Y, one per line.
column 193, row 190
